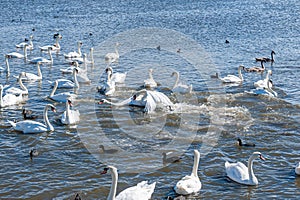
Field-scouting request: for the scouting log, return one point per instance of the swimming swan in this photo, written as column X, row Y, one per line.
column 264, row 90
column 17, row 91
column 18, row 55
column 263, row 83
column 9, row 99
column 239, row 173
column 256, row 69
column 266, row 59
column 150, row 83
column 25, row 44
column 6, row 68
column 70, row 116
column 190, row 183
column 75, row 54
column 179, row 87
column 34, row 77
column 42, row 59
column 145, row 99
column 116, row 77
column 60, row 97
column 30, row 126
column 54, row 47
column 233, row 78
column 65, row 83
column 113, row 57
column 142, row 191
column 109, row 87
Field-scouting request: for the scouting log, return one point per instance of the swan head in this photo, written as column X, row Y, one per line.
column 53, row 109
column 239, row 142
column 109, row 168
column 69, row 102
column 241, row 67
column 75, row 63
column 102, row 101
column 257, row 155
column 174, row 73
column 75, row 70
column 273, row 52
column 109, row 69
column 57, row 35
column 79, row 43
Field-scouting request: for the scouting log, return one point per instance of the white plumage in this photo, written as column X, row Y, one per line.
column 190, row 183
column 75, row 54
column 113, row 57
column 60, row 97
column 70, row 116
column 233, row 78
column 264, row 83
column 179, row 87
column 9, row 99
column 150, row 82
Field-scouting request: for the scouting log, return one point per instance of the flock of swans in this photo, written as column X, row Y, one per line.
column 146, row 98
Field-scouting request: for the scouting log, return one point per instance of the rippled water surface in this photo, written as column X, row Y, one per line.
column 210, row 119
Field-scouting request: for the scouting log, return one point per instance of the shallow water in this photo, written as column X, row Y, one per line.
column 209, row 120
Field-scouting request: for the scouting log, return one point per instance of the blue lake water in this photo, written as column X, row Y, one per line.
column 210, row 119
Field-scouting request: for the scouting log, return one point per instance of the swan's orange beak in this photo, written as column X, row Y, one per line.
column 262, row 158
column 104, row 170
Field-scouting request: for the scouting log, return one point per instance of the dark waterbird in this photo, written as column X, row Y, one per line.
column 241, row 144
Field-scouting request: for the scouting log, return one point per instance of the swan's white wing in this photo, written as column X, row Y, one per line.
column 11, row 99
column 188, row 185
column 15, row 55
column 231, row 79
column 237, row 171
column 150, row 103
column 29, row 126
column 160, row 97
column 62, row 97
column 64, row 83
column 142, row 191
column 119, row 77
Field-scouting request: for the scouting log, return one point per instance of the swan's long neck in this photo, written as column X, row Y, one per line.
column 272, row 56
column 67, row 112
column 7, row 67
column 22, row 85
column 85, row 62
column 268, row 76
column 39, row 71
column 92, row 55
column 240, row 73
column 196, row 163
column 262, row 65
column 1, row 99
column 53, row 90
column 75, row 78
column 50, row 54
column 56, row 42
column 250, row 169
column 177, row 80
column 150, row 75
column 113, row 188
column 46, row 120
column 79, row 49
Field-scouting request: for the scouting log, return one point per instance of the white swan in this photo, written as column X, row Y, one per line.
column 9, row 99
column 55, row 47
column 109, row 87
column 233, row 78
column 264, row 90
column 33, row 77
column 16, row 91
column 6, row 68
column 61, row 97
column 82, row 75
column 239, row 173
column 116, row 77
column 42, row 59
column 150, row 83
column 264, row 83
column 145, row 99
column 179, row 87
column 25, row 44
column 297, row 168
column 142, row 191
column 84, row 58
column 70, row 116
column 113, row 57
column 190, row 183
column 17, row 54
column 30, row 126
column 74, row 54
column 65, row 83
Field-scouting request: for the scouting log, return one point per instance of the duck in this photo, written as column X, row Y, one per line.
column 145, row 99
column 233, row 78
column 215, row 75
column 42, row 59
column 150, row 83
column 6, row 68
column 264, row 83
column 108, row 88
column 65, row 83
column 108, row 151
column 113, row 57
column 9, row 99
column 266, row 59
column 70, row 116
column 116, row 77
column 75, row 54
column 172, row 159
column 33, row 153
column 30, row 126
column 239, row 173
column 25, row 44
column 55, row 47
column 60, row 97
column 13, row 90
column 256, row 69
column 190, row 183
column 179, row 87
column 142, row 191
column 297, row 168
column 27, row 114
column 18, row 55
column 241, row 144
